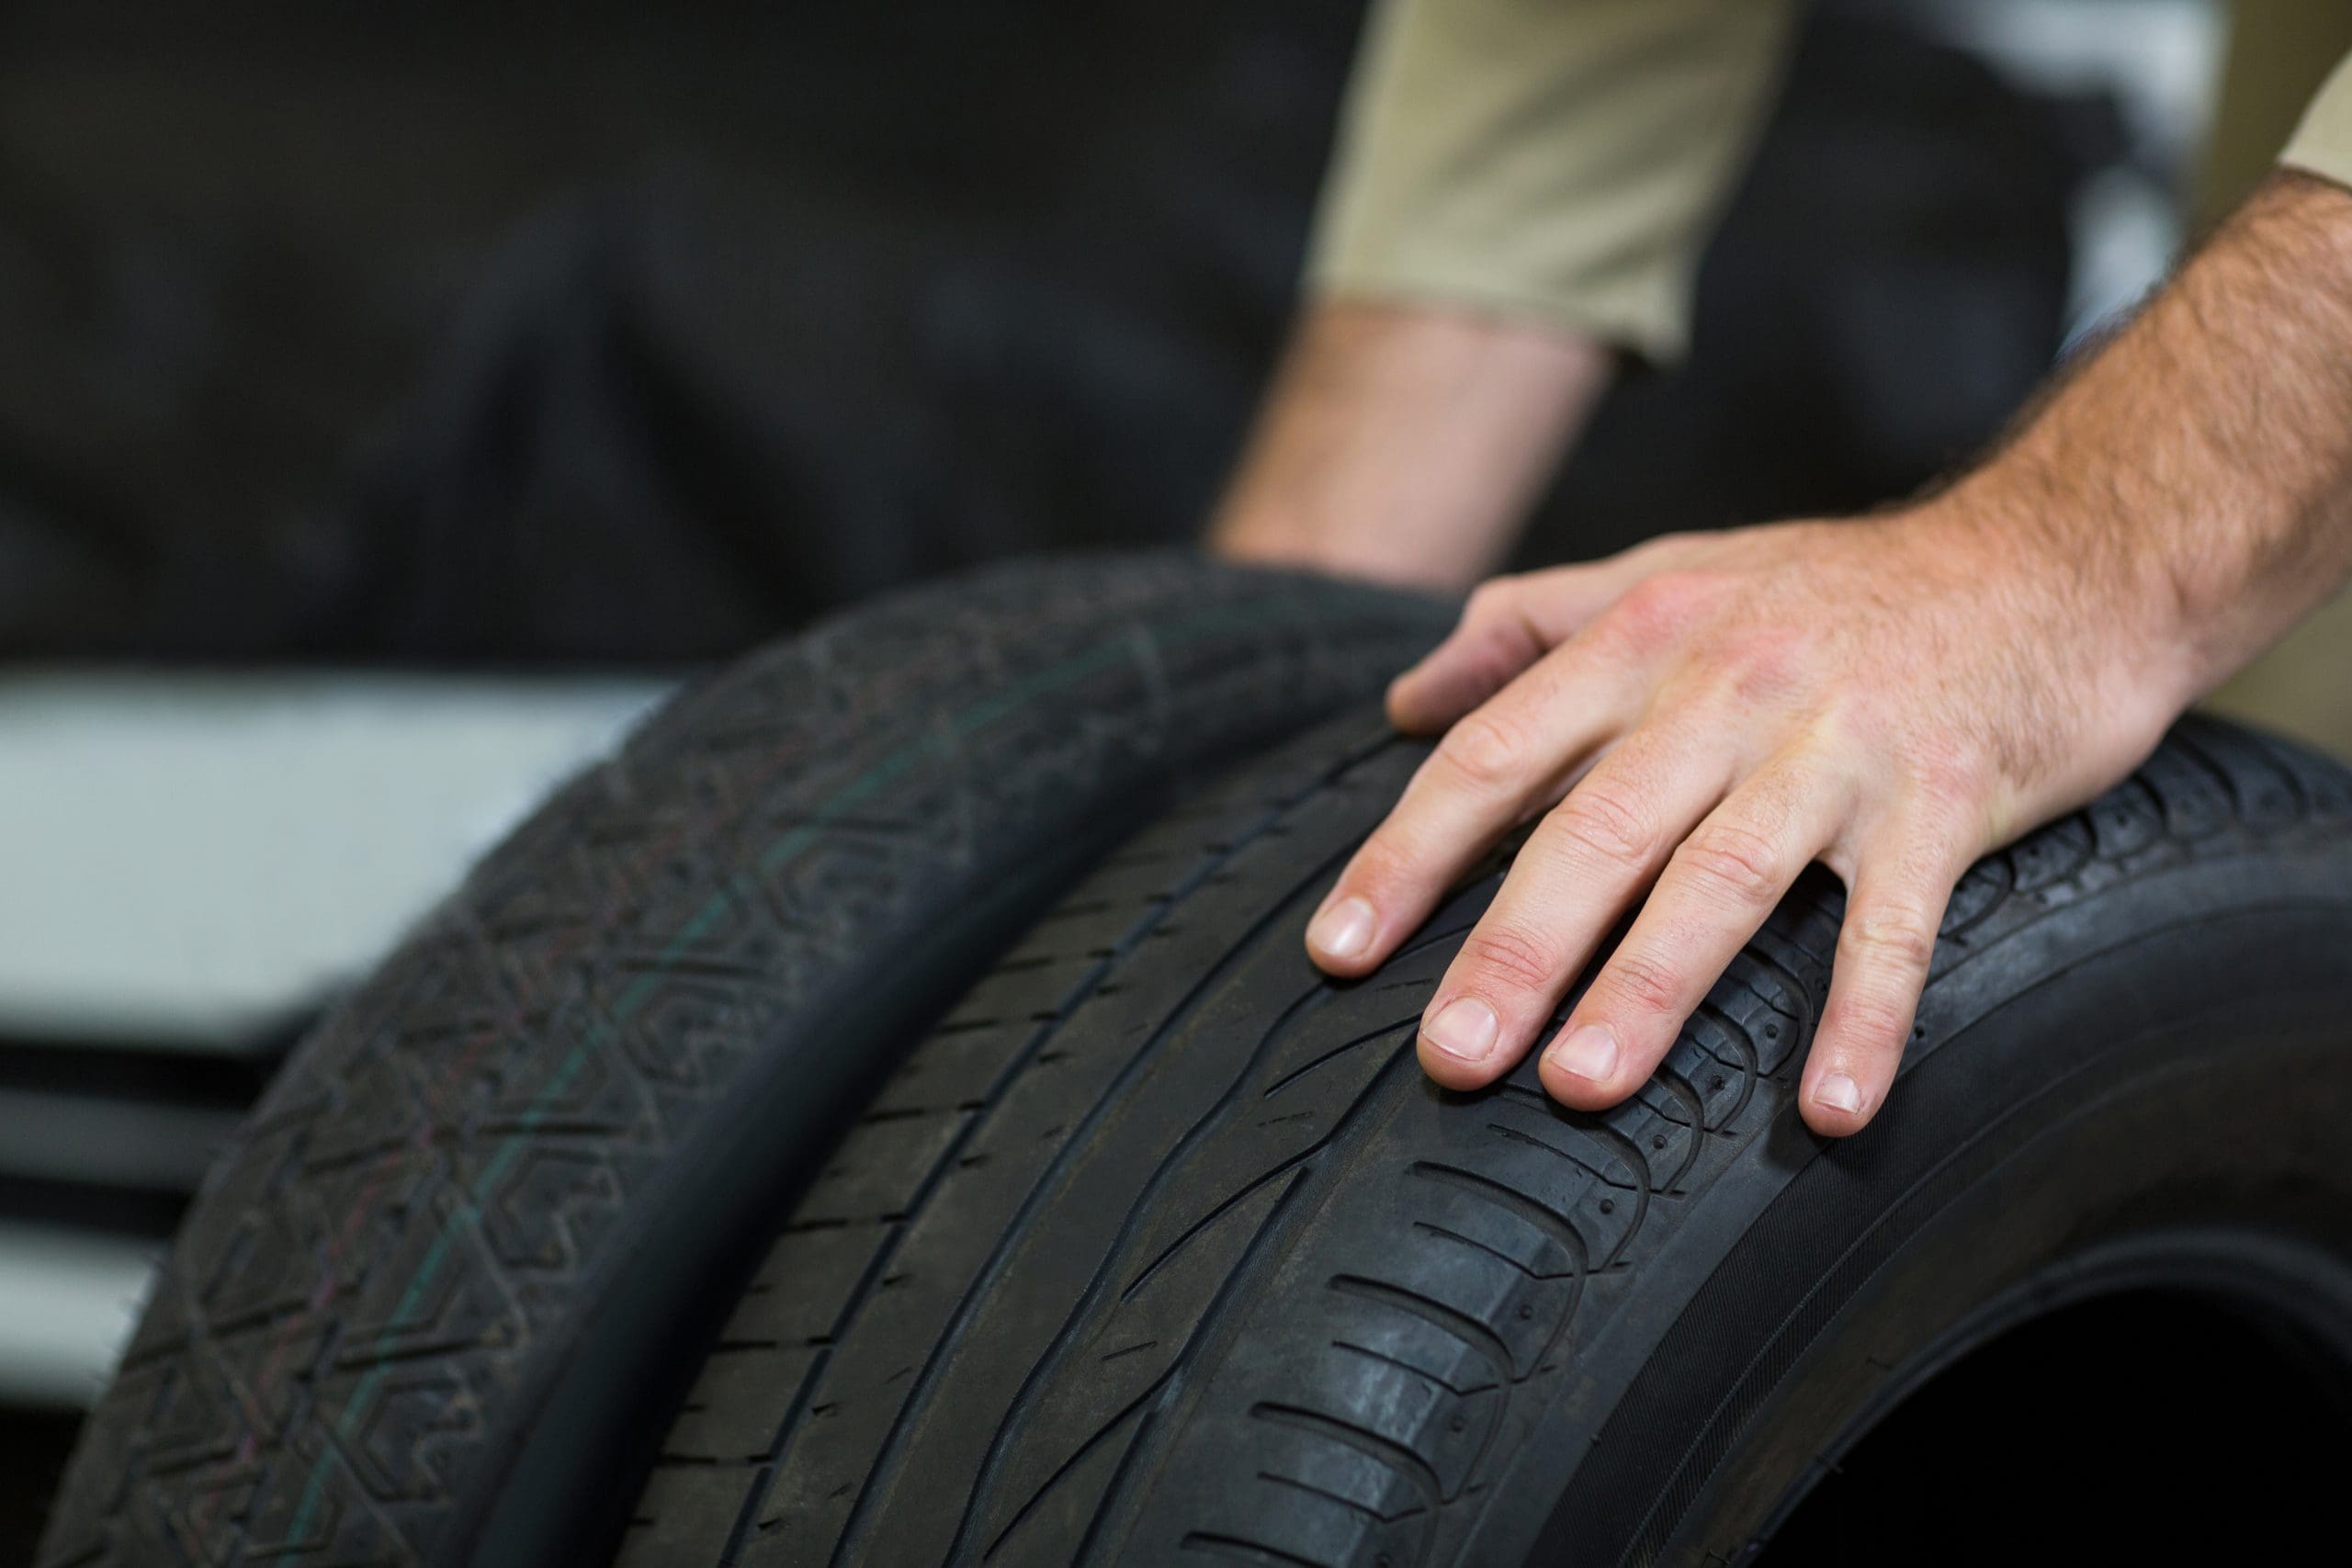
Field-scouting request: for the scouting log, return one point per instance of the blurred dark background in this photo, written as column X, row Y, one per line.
column 537, row 337
column 603, row 332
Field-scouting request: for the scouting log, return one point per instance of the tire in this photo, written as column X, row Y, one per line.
column 1159, row 1250
column 431, row 1304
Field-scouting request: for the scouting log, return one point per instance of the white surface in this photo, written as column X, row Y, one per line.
column 188, row 858
column 2160, row 58
column 2160, row 62
column 67, row 1303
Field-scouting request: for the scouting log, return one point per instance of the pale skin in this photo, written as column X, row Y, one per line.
column 1690, row 725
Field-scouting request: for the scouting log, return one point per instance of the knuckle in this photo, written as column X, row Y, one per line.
column 1642, row 982
column 1951, row 778
column 1736, row 862
column 1659, row 605
column 1764, row 661
column 1381, row 864
column 1872, row 1026
column 1483, row 749
column 1948, row 774
column 1881, row 936
column 1492, row 600
column 1604, row 824
column 1512, row 956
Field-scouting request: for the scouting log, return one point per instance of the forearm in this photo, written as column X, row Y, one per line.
column 2191, row 484
column 1405, row 443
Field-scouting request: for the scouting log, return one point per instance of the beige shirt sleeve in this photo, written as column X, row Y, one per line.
column 1558, row 160
column 2322, row 142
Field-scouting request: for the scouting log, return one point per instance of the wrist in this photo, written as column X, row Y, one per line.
column 1256, row 531
column 2106, row 631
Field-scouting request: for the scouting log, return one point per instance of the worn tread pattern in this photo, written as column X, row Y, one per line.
column 1158, row 1250
column 382, row 1278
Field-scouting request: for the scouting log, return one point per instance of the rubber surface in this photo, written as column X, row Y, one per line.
column 1159, row 1250
column 423, row 1306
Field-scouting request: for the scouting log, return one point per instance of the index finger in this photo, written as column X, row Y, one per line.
column 1504, row 762
column 1507, row 623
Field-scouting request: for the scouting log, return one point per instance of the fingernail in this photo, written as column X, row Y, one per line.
column 1342, row 930
column 1464, row 1027
column 1839, row 1092
column 1586, row 1052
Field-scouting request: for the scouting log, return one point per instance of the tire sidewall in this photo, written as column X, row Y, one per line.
column 2102, row 1074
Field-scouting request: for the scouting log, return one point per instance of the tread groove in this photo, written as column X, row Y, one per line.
column 1334, row 1054
column 1234, row 1547
column 1248, row 1550
column 1510, row 1199
column 1371, row 1445
column 1076, row 1455
column 1436, row 1313
column 960, row 1318
column 1363, row 1510
column 1433, row 1228
column 1423, row 1372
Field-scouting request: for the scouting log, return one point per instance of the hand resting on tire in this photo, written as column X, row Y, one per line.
column 1697, row 720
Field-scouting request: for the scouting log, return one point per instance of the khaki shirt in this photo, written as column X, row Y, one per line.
column 1560, row 160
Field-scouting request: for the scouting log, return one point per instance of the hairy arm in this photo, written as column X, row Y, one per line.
column 1697, row 720
column 2201, row 466
column 1520, row 191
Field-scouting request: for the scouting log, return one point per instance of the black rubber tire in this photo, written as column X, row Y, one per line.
column 432, row 1304
column 1162, row 1250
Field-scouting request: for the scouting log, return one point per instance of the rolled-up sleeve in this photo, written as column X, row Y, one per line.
column 2322, row 142
column 1557, row 160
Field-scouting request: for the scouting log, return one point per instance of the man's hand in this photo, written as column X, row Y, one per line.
column 1699, row 719
column 1711, row 715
